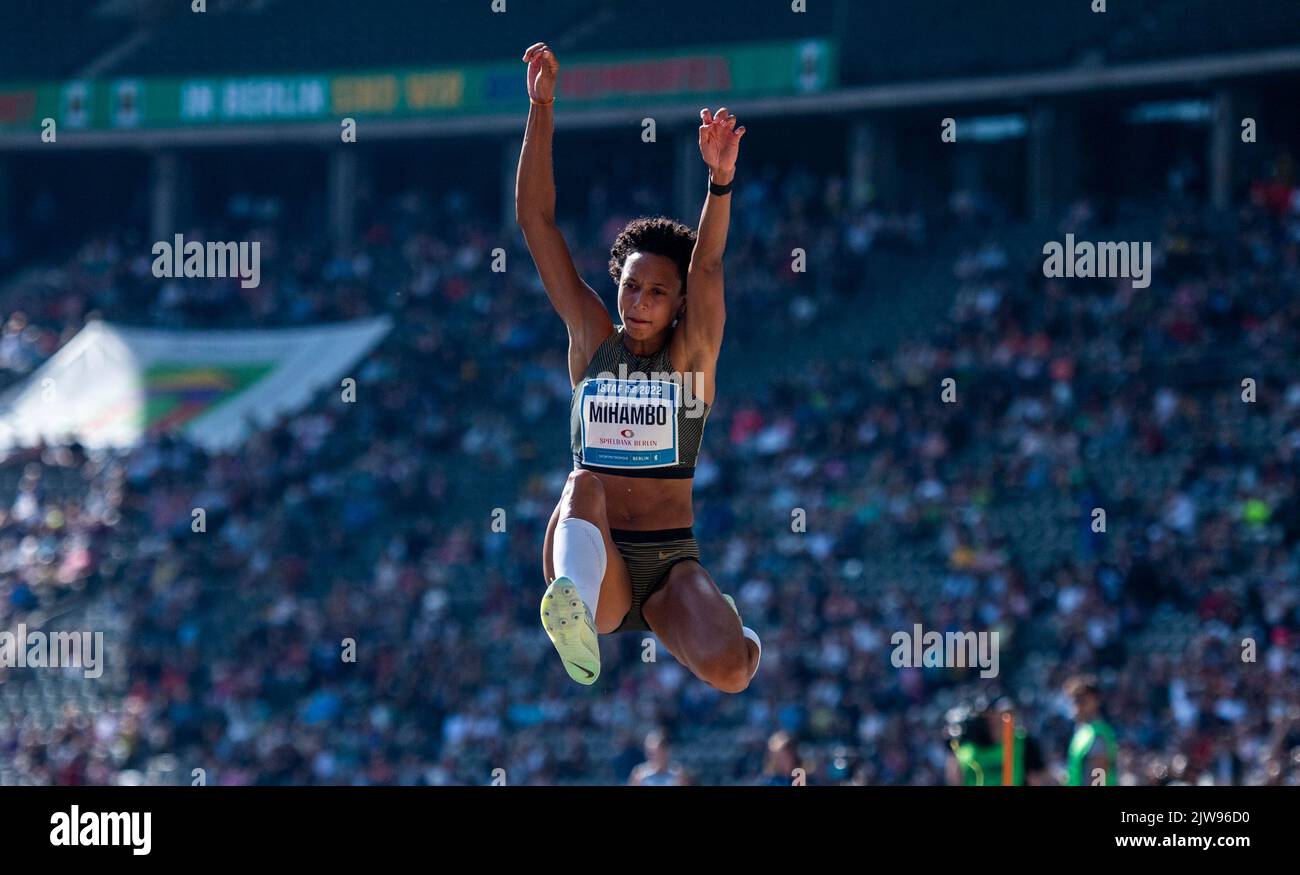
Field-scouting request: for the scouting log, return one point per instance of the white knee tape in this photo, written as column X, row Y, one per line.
column 753, row 636
column 579, row 554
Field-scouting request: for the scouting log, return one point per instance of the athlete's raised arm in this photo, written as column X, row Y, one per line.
column 706, row 310
column 579, row 306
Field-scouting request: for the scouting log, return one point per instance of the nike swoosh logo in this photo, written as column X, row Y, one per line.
column 663, row 555
column 587, row 671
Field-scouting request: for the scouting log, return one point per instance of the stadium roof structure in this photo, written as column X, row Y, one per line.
column 883, row 41
column 144, row 73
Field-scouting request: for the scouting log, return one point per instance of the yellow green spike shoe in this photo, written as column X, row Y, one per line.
column 569, row 624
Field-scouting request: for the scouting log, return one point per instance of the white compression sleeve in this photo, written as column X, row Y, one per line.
column 579, row 554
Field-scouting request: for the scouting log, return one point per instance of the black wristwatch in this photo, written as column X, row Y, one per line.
column 720, row 190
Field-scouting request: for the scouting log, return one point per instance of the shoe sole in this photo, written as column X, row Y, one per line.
column 569, row 625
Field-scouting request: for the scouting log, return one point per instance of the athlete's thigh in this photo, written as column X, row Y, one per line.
column 615, row 589
column 690, row 616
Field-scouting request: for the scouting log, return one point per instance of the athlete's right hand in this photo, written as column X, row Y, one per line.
column 543, row 70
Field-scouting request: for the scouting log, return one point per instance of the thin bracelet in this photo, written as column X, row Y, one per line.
column 541, row 102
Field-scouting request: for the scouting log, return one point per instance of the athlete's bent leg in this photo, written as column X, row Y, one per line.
column 572, row 549
column 693, row 620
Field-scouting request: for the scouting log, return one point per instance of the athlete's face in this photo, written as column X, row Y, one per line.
column 649, row 294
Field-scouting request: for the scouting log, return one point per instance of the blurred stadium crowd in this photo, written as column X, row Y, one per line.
column 371, row 520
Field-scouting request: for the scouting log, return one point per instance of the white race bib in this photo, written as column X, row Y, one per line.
column 629, row 423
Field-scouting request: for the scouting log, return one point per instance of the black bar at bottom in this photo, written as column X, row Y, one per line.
column 230, row 824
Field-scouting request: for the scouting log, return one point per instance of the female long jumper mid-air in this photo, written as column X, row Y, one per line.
column 620, row 554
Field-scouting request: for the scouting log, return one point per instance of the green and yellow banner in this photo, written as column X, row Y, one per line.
column 113, row 385
column 759, row 69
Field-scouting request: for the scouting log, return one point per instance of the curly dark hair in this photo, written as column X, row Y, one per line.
column 659, row 236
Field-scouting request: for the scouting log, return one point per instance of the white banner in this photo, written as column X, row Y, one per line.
column 110, row 385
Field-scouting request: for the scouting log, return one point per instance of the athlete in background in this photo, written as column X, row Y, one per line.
column 1093, row 746
column 658, row 770
column 979, row 748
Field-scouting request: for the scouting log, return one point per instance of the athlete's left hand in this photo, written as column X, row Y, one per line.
column 720, row 143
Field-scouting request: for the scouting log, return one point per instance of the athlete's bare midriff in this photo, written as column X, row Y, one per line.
column 646, row 504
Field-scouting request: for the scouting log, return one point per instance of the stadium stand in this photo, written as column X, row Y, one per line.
column 364, row 522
